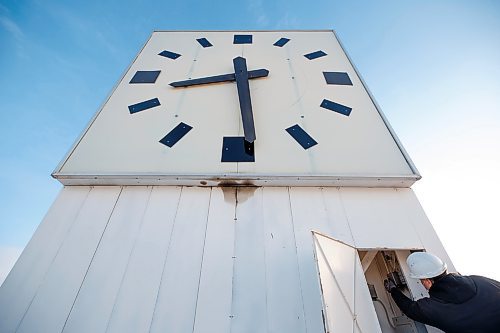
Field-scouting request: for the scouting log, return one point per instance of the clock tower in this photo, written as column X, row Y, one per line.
column 233, row 181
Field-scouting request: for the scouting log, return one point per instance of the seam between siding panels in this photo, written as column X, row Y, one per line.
column 165, row 260
column 92, row 259
column 53, row 259
column 346, row 217
column 231, row 316
column 297, row 259
column 202, row 257
column 128, row 260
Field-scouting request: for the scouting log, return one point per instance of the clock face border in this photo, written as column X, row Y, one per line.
column 257, row 178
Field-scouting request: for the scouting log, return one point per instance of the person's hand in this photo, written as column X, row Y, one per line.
column 389, row 285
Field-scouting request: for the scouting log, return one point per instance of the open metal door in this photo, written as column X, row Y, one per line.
column 347, row 304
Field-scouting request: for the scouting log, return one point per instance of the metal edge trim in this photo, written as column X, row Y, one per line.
column 290, row 30
column 227, row 175
column 394, row 181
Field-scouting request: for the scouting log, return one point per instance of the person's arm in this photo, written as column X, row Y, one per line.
column 410, row 308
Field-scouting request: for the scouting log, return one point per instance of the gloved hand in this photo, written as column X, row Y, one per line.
column 389, row 285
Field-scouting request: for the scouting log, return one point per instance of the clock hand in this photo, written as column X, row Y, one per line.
column 241, row 73
column 219, row 78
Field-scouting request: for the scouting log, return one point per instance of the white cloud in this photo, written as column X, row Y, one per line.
column 16, row 32
column 8, row 257
column 287, row 21
column 11, row 27
column 256, row 7
column 81, row 29
column 262, row 20
column 4, row 9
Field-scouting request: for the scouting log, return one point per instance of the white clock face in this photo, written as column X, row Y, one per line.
column 311, row 113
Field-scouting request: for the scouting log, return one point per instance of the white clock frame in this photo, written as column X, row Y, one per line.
column 358, row 150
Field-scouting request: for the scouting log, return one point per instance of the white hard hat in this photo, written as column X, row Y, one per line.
column 424, row 265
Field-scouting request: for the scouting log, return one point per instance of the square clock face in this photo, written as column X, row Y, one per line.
column 247, row 106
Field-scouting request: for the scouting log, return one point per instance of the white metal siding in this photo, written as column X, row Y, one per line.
column 215, row 289
column 136, row 299
column 97, row 293
column 178, row 291
column 54, row 298
column 22, row 284
column 192, row 259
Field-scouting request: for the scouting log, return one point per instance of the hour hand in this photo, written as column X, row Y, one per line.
column 219, row 78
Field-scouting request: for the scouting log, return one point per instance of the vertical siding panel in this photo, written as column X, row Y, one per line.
column 308, row 213
column 336, row 215
column 176, row 303
column 377, row 220
column 284, row 300
column 136, row 300
column 249, row 308
column 97, row 295
column 19, row 289
column 53, row 301
column 213, row 308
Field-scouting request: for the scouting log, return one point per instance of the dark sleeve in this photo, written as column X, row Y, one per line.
column 412, row 309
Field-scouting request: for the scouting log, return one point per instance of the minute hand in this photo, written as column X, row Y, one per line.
column 219, row 78
column 241, row 73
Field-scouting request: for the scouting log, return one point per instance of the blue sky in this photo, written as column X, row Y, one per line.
column 433, row 66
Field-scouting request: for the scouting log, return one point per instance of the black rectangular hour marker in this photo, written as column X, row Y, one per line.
column 236, row 149
column 339, row 78
column 204, row 42
column 301, row 136
column 145, row 77
column 342, row 109
column 242, row 39
column 281, row 42
column 168, row 54
column 176, row 134
column 315, row 55
column 143, row 105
